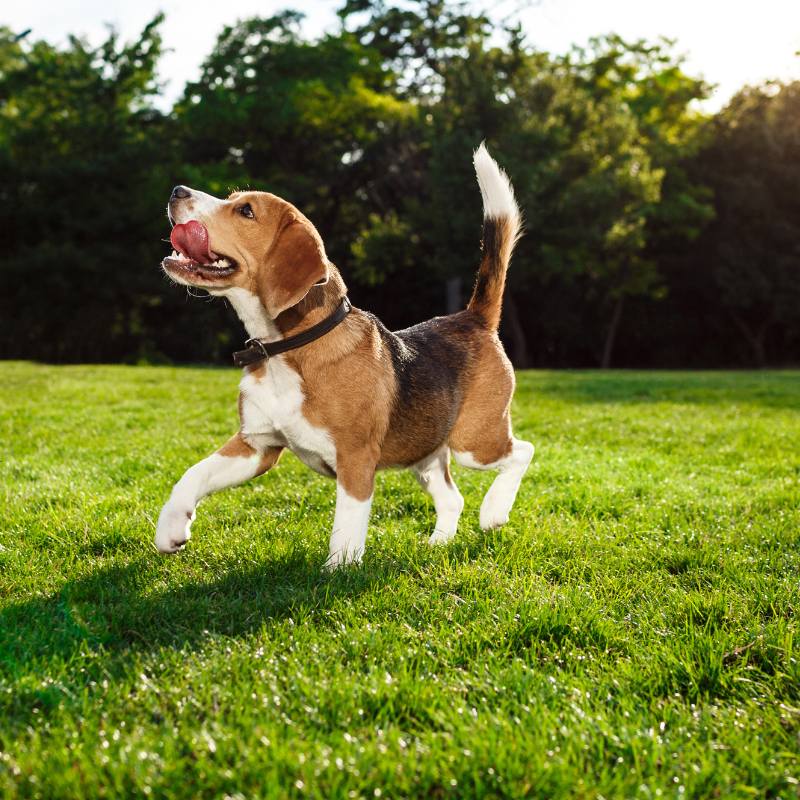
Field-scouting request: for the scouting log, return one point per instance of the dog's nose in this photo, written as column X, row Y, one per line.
column 180, row 193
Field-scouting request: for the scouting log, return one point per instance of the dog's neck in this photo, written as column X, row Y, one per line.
column 250, row 310
column 318, row 304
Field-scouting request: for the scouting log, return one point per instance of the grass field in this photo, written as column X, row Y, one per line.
column 631, row 632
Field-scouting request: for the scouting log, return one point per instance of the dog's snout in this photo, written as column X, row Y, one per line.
column 180, row 193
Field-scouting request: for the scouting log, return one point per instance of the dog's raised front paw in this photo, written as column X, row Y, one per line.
column 174, row 528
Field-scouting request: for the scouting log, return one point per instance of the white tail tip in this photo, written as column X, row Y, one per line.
column 496, row 189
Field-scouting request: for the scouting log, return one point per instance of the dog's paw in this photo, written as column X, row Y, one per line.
column 174, row 528
column 440, row 537
column 492, row 517
column 341, row 558
column 331, row 565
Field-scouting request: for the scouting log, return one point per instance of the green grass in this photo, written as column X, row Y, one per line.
column 631, row 632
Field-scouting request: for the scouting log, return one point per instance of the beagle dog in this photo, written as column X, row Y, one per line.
column 330, row 383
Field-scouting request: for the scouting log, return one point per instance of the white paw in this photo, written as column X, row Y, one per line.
column 174, row 528
column 440, row 537
column 341, row 558
column 492, row 517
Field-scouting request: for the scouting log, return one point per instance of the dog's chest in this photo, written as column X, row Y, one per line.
column 272, row 413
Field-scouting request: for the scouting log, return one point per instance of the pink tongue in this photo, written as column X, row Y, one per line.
column 191, row 239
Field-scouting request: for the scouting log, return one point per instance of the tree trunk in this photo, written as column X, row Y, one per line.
column 754, row 338
column 759, row 351
column 519, row 346
column 611, row 336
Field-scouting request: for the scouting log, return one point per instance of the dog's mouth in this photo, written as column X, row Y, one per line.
column 192, row 256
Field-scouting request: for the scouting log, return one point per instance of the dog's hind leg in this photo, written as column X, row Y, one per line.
column 511, row 465
column 433, row 474
column 481, row 437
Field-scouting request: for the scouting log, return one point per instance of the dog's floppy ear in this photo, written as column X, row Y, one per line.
column 296, row 263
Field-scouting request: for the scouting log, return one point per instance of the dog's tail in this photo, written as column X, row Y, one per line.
column 502, row 226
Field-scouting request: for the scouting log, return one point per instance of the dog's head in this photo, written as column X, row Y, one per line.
column 252, row 240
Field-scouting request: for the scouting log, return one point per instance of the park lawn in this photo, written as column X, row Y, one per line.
column 631, row 632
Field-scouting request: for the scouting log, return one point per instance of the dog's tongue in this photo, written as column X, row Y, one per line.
column 191, row 239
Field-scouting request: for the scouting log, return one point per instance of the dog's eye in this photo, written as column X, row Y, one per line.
column 246, row 211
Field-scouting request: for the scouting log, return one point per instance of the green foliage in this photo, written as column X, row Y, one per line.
column 632, row 198
column 752, row 162
column 383, row 250
column 418, row 41
column 309, row 121
column 631, row 632
column 77, row 207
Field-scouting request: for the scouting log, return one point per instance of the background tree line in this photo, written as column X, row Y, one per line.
column 656, row 235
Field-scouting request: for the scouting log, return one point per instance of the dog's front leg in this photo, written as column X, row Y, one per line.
column 234, row 463
column 355, row 482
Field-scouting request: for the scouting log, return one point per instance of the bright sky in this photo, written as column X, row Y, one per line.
column 729, row 42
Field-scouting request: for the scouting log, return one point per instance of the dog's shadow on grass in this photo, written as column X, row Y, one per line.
column 94, row 627
column 128, row 606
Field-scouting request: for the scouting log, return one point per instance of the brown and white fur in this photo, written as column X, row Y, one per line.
column 360, row 398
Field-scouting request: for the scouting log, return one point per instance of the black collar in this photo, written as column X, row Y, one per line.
column 258, row 350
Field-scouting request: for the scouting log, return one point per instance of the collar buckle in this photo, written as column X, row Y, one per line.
column 259, row 344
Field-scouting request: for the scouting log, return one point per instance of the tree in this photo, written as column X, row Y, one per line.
column 579, row 168
column 83, row 177
column 311, row 121
column 649, row 81
column 752, row 162
column 590, row 140
column 418, row 41
column 569, row 152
